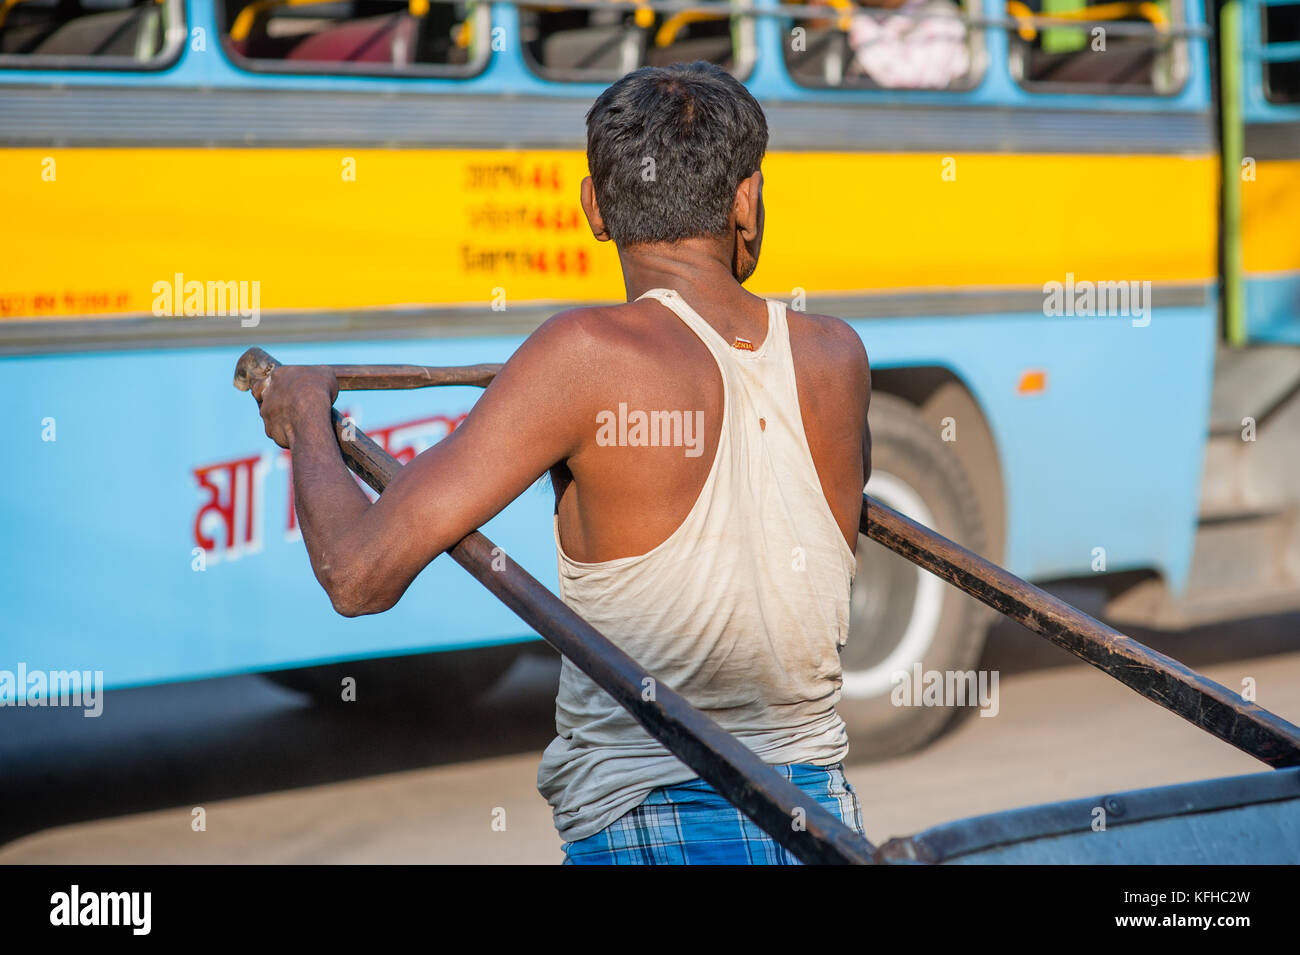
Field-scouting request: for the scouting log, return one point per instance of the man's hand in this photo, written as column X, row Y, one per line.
column 292, row 394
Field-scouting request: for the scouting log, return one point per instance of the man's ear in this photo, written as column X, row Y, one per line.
column 592, row 210
column 748, row 206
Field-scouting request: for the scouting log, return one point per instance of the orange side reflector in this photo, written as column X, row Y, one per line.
column 1032, row 382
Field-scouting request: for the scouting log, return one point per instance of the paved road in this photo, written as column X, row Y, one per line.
column 282, row 780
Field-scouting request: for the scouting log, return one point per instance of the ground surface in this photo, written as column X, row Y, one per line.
column 282, row 780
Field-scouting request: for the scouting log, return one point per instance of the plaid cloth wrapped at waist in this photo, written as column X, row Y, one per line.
column 690, row 824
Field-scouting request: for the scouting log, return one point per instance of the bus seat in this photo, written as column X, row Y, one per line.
column 135, row 32
column 825, row 59
column 383, row 39
column 1121, row 64
column 713, row 49
column 614, row 48
column 24, row 38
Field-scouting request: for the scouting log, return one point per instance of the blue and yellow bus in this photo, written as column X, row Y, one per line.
column 1070, row 246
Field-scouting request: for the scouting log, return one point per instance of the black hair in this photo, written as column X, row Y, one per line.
column 667, row 147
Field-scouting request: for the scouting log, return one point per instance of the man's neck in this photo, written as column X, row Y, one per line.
column 699, row 269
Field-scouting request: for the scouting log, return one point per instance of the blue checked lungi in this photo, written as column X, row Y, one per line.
column 690, row 824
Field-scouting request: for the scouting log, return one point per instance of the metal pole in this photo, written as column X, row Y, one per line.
column 781, row 809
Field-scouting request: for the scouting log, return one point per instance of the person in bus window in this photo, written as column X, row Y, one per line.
column 708, row 449
column 912, row 44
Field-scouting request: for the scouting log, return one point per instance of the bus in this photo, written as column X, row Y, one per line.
column 1068, row 241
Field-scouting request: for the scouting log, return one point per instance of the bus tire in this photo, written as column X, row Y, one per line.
column 901, row 615
column 422, row 682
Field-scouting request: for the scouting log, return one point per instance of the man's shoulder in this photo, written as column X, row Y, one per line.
column 614, row 336
column 604, row 326
column 830, row 343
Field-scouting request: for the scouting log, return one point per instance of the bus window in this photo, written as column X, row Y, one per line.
column 886, row 44
column 98, row 34
column 602, row 44
column 1281, row 24
column 428, row 37
column 1118, row 47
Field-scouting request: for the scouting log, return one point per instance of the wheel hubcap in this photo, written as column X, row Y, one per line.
column 895, row 605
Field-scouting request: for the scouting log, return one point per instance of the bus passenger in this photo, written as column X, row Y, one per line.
column 911, row 44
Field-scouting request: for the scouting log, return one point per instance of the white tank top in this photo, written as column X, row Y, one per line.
column 742, row 610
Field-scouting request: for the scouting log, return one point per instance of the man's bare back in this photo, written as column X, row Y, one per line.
column 540, row 415
column 621, row 501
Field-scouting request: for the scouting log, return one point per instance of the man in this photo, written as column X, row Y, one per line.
column 708, row 451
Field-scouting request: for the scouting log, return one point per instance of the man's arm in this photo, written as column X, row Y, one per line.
column 852, row 378
column 866, row 423
column 534, row 414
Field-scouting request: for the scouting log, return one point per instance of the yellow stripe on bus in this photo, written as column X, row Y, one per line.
column 92, row 231
column 1270, row 217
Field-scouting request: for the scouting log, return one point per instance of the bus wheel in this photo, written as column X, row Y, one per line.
column 900, row 614
column 423, row 682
